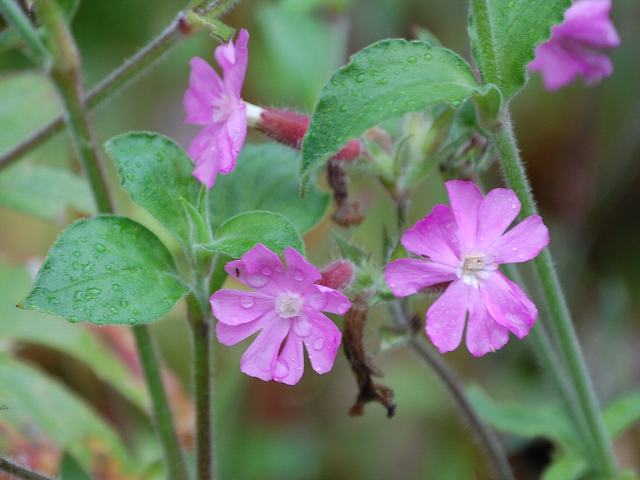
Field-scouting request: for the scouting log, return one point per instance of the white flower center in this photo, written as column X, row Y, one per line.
column 474, row 267
column 289, row 305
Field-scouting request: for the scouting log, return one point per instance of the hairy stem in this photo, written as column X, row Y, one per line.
column 19, row 472
column 163, row 417
column 484, row 434
column 66, row 74
column 15, row 16
column 514, row 172
column 201, row 330
column 141, row 61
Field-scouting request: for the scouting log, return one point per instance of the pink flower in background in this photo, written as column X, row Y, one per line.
column 216, row 104
column 285, row 307
column 463, row 246
column 576, row 44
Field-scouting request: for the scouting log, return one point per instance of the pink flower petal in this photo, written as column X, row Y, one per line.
column 230, row 335
column 506, row 306
column 521, row 243
column 484, row 334
column 205, row 153
column 290, row 363
column 325, row 299
column 233, row 60
column 204, row 87
column 465, row 198
column 435, row 236
column 234, row 307
column 260, row 358
column 322, row 343
column 498, row 210
column 264, row 270
column 407, row 276
column 301, row 272
column 588, row 21
column 236, row 133
column 446, row 317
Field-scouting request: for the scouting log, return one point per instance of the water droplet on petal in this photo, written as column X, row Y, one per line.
column 246, row 302
column 318, row 343
column 281, row 369
column 302, row 327
column 257, row 281
column 297, row 275
column 266, row 271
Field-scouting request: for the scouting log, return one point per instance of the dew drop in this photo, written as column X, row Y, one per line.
column 257, row 281
column 100, row 248
column 412, row 59
column 266, row 271
column 298, row 276
column 246, row 302
column 428, row 56
column 302, row 327
column 281, row 369
column 318, row 343
column 360, row 78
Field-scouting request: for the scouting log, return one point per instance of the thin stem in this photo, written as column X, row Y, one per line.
column 483, row 433
column 201, row 330
column 15, row 16
column 516, row 178
column 141, row 61
column 19, row 471
column 162, row 415
column 66, row 74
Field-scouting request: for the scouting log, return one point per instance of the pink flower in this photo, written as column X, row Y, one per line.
column 215, row 103
column 575, row 45
column 463, row 246
column 285, row 308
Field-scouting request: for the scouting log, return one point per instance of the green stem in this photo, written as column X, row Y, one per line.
column 66, row 74
column 201, row 330
column 514, row 172
column 484, row 434
column 19, row 471
column 15, row 16
column 132, row 68
column 163, row 417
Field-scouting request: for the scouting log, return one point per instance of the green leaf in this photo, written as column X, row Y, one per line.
column 36, row 328
column 622, row 413
column 266, row 178
column 242, row 232
column 295, row 71
column 70, row 469
column 157, row 173
column 44, row 192
column 37, row 402
column 525, row 420
column 504, row 35
column 27, row 101
column 383, row 81
column 107, row 270
column 566, row 467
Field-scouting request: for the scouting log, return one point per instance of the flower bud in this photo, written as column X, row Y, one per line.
column 289, row 128
column 338, row 275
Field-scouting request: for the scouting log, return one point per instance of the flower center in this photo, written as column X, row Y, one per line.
column 475, row 266
column 289, row 305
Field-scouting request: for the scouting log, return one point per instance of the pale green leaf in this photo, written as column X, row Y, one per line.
column 44, row 192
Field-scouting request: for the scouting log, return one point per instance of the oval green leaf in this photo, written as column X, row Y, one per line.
column 266, row 178
column 383, row 81
column 107, row 270
column 157, row 173
column 241, row 233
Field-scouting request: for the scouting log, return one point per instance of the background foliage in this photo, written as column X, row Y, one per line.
column 582, row 150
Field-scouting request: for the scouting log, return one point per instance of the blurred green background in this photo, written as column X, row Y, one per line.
column 582, row 148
